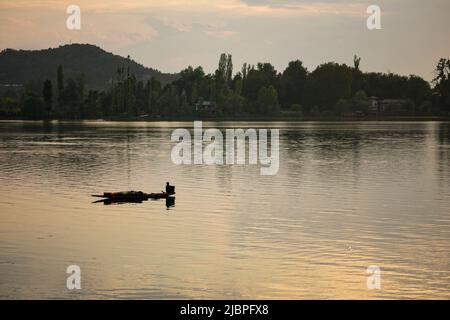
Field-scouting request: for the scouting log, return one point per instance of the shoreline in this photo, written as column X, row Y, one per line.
column 249, row 119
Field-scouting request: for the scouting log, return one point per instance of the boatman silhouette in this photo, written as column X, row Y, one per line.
column 170, row 189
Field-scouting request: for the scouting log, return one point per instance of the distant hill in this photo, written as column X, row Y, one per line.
column 98, row 66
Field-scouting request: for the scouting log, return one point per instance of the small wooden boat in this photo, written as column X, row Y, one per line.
column 132, row 196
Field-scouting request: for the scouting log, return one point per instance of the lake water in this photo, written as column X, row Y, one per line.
column 347, row 196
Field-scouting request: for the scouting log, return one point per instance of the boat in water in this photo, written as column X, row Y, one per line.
column 133, row 196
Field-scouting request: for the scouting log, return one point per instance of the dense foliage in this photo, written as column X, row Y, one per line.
column 330, row 90
column 98, row 66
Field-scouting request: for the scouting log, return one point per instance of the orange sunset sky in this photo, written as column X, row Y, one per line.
column 172, row 34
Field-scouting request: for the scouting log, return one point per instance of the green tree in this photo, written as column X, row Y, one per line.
column 358, row 103
column 264, row 75
column 60, row 85
column 92, row 105
column 357, row 75
column 329, row 83
column 194, row 93
column 73, row 97
column 442, row 84
column 267, row 100
column 238, row 81
column 33, row 106
column 229, row 69
column 47, row 95
column 356, row 62
column 292, row 84
column 222, row 78
column 155, row 93
column 233, row 104
column 9, row 107
column 417, row 89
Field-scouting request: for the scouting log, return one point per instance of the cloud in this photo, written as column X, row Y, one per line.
column 170, row 34
column 234, row 7
column 109, row 28
column 177, row 24
column 297, row 8
column 36, row 29
column 290, row 3
column 226, row 34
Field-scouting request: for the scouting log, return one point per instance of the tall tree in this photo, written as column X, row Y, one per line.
column 33, row 106
column 47, row 95
column 442, row 84
column 264, row 75
column 222, row 64
column 60, row 84
column 229, row 69
column 356, row 62
column 267, row 100
column 292, row 84
column 222, row 78
column 417, row 89
column 357, row 76
column 244, row 70
column 329, row 83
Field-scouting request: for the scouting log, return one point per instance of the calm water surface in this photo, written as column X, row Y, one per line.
column 347, row 196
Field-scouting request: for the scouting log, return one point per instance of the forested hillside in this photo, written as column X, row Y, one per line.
column 98, row 66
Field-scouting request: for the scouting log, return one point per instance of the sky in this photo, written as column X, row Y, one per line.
column 170, row 35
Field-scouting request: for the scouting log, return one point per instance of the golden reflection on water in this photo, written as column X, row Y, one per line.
column 347, row 196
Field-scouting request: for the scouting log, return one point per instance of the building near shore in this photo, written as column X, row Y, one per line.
column 378, row 105
column 205, row 107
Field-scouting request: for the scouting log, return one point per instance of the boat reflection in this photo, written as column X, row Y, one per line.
column 170, row 201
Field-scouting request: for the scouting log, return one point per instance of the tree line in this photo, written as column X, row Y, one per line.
column 330, row 90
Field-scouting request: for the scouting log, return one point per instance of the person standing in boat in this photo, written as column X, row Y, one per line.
column 170, row 189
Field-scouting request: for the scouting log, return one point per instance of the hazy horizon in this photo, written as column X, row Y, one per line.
column 174, row 34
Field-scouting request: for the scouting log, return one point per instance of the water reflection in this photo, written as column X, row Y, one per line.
column 170, row 202
column 348, row 195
